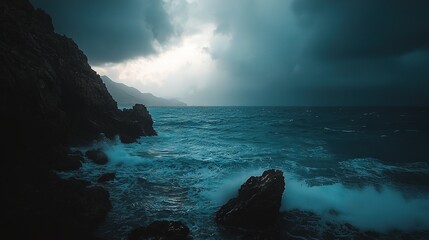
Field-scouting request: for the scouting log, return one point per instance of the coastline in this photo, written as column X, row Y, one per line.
column 53, row 100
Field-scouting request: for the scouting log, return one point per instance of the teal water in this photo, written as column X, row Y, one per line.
column 369, row 165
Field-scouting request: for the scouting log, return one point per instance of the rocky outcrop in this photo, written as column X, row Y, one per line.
column 50, row 95
column 97, row 156
column 89, row 205
column 72, row 161
column 51, row 98
column 106, row 177
column 131, row 127
column 257, row 204
column 166, row 230
column 47, row 207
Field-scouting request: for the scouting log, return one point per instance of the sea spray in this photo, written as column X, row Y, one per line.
column 368, row 208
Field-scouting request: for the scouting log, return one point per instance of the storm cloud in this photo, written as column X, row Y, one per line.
column 111, row 30
column 333, row 52
column 268, row 52
column 364, row 28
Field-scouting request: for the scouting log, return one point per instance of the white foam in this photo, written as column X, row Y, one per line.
column 365, row 208
column 119, row 153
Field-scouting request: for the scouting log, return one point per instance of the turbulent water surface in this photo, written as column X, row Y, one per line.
column 368, row 167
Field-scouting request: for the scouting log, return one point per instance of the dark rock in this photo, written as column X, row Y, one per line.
column 95, row 205
column 85, row 207
column 132, row 118
column 68, row 165
column 75, row 155
column 166, row 230
column 48, row 207
column 51, row 99
column 106, row 177
column 72, row 161
column 79, row 182
column 304, row 223
column 257, row 204
column 97, row 156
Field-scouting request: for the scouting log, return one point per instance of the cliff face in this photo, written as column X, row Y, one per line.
column 50, row 99
column 49, row 92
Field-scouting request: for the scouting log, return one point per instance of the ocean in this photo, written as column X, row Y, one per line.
column 347, row 170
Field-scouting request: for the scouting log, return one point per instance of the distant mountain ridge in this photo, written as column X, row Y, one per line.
column 128, row 96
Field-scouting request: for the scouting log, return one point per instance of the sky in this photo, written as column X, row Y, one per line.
column 256, row 52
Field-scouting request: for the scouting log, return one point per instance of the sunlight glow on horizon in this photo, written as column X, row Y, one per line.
column 177, row 71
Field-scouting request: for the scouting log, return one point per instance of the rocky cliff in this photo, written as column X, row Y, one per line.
column 49, row 91
column 50, row 99
column 257, row 204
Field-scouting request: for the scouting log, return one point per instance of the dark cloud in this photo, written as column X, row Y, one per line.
column 111, row 30
column 364, row 28
column 334, row 52
column 273, row 52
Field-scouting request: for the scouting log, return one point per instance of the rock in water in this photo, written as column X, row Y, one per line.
column 72, row 161
column 97, row 156
column 82, row 208
column 106, row 177
column 133, row 126
column 257, row 204
column 166, row 230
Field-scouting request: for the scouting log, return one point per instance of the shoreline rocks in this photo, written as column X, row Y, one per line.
column 72, row 161
column 166, row 230
column 257, row 204
column 48, row 207
column 135, row 124
column 97, row 156
column 106, row 177
column 50, row 95
column 52, row 99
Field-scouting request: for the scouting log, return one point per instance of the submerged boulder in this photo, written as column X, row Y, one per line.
column 257, row 204
column 166, row 230
column 97, row 156
column 106, row 177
